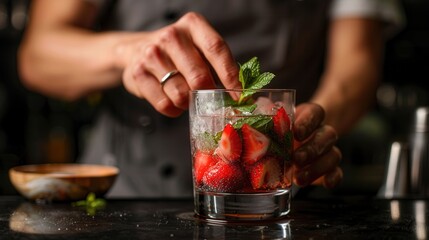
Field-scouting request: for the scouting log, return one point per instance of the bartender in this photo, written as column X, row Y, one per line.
column 329, row 51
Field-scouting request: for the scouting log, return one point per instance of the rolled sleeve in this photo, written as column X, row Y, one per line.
column 388, row 11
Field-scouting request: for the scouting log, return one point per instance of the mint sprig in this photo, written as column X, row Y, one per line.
column 91, row 204
column 252, row 79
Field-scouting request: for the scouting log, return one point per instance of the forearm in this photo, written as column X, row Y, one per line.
column 353, row 93
column 69, row 62
column 353, row 70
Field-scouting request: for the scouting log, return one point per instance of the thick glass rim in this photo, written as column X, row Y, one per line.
column 241, row 90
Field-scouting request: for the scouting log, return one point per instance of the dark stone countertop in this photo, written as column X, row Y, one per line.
column 339, row 218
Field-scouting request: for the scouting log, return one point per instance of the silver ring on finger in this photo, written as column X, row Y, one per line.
column 168, row 76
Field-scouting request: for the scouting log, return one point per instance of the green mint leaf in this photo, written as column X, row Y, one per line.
column 245, row 77
column 246, row 108
column 252, row 79
column 98, row 203
column 81, row 203
column 262, row 80
column 249, row 71
column 245, row 94
column 90, row 198
column 91, row 204
column 258, row 83
column 262, row 123
column 229, row 101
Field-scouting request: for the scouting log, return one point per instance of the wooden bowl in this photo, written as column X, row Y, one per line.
column 62, row 182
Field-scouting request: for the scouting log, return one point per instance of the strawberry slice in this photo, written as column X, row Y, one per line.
column 265, row 174
column 255, row 144
column 224, row 177
column 230, row 146
column 281, row 123
column 202, row 162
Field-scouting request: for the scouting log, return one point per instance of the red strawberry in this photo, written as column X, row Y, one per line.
column 202, row 162
column 224, row 177
column 255, row 144
column 281, row 123
column 230, row 146
column 265, row 174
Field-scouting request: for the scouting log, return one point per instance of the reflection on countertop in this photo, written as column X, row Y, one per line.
column 63, row 221
column 339, row 218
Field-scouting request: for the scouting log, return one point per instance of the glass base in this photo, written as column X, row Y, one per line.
column 241, row 206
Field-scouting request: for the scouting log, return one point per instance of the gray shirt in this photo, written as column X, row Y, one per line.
column 288, row 37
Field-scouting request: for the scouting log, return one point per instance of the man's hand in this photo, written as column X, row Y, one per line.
column 190, row 46
column 316, row 158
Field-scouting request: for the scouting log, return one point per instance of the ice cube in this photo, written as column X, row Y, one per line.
column 264, row 106
column 228, row 111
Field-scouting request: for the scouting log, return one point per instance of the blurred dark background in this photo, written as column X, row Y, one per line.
column 36, row 129
column 33, row 129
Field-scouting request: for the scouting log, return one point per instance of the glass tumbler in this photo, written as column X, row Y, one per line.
column 241, row 145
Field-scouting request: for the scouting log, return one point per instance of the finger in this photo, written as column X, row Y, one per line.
column 158, row 64
column 323, row 140
column 155, row 61
column 214, row 49
column 178, row 91
column 325, row 164
column 153, row 93
column 144, row 85
column 309, row 117
column 176, row 44
column 331, row 179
